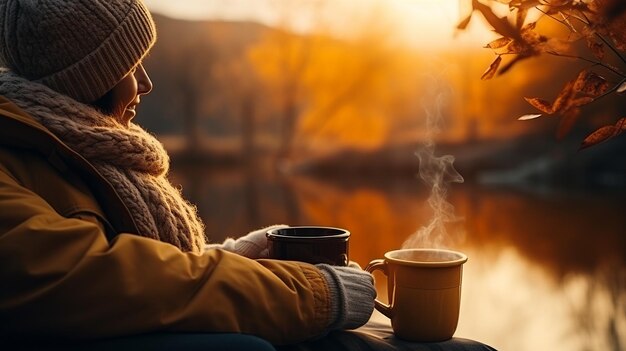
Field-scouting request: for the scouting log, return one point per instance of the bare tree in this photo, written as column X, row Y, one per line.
column 192, row 82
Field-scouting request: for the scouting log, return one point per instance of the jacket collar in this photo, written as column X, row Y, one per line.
column 19, row 130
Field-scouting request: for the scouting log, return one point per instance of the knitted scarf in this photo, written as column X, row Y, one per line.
column 131, row 159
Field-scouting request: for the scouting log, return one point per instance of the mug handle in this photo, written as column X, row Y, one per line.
column 381, row 265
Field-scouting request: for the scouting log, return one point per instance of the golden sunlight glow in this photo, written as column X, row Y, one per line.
column 430, row 22
column 417, row 22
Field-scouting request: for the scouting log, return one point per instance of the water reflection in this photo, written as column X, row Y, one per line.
column 547, row 271
column 517, row 304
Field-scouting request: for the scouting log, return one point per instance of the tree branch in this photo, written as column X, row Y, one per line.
column 565, row 23
column 586, row 22
column 615, row 51
column 610, row 91
column 594, row 62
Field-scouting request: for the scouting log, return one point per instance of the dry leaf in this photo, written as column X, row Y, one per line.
column 596, row 48
column 528, row 117
column 615, row 13
column 605, row 133
column 580, row 80
column 524, row 4
column 581, row 101
column 590, row 83
column 533, row 40
column 589, row 32
column 463, row 24
column 562, row 101
column 600, row 135
column 530, row 26
column 521, row 17
column 516, row 47
column 500, row 25
column 498, row 43
column 601, row 23
column 491, row 71
column 540, row 104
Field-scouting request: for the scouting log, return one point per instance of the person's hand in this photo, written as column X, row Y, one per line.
column 352, row 295
column 252, row 245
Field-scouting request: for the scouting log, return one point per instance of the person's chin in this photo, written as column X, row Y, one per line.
column 128, row 116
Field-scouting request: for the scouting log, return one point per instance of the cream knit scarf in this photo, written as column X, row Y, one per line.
column 131, row 159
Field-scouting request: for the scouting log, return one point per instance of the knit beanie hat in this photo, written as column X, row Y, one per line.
column 80, row 48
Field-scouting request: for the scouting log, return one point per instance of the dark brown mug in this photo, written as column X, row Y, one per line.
column 310, row 244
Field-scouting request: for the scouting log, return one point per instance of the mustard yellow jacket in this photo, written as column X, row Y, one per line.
column 69, row 269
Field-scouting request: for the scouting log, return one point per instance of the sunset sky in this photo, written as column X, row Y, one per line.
column 418, row 22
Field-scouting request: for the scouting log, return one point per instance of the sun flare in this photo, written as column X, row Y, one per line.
column 418, row 23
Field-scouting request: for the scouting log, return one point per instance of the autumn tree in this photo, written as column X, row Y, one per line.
column 599, row 24
column 180, row 65
column 334, row 90
column 192, row 84
column 281, row 59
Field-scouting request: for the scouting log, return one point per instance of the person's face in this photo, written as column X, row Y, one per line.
column 126, row 95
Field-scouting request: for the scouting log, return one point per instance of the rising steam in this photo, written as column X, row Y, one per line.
column 437, row 172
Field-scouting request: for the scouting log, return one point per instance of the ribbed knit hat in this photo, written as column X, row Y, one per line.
column 81, row 48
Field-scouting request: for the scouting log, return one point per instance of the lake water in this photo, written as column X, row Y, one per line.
column 546, row 268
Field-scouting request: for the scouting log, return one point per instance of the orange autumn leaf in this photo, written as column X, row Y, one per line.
column 493, row 68
column 601, row 23
column 578, row 102
column 562, row 101
column 463, row 24
column 524, row 4
column 596, row 48
column 498, row 43
column 540, row 104
column 604, row 133
column 590, row 83
column 521, row 17
column 514, row 47
column 600, row 135
column 500, row 24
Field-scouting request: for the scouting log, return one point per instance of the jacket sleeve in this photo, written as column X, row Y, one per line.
column 60, row 277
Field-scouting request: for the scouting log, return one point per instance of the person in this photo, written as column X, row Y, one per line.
column 95, row 242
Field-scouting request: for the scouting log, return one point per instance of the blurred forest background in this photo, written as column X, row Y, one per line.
column 242, row 92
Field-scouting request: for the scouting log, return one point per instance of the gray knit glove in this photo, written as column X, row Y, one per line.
column 252, row 245
column 352, row 295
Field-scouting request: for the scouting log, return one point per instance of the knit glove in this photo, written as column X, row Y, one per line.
column 252, row 245
column 352, row 295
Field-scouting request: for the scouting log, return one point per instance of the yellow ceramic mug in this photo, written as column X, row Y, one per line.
column 424, row 289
